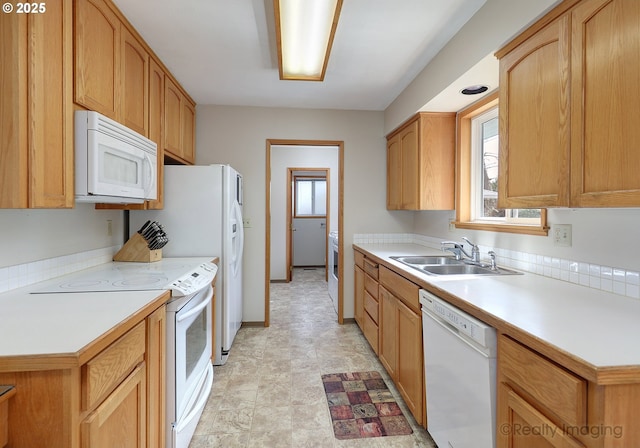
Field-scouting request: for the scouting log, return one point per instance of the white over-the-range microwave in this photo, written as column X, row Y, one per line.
column 113, row 164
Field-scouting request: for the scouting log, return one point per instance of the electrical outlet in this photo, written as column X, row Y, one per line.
column 246, row 223
column 561, row 235
column 109, row 227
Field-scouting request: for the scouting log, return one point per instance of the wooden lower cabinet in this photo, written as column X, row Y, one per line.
column 114, row 399
column 387, row 311
column 543, row 404
column 388, row 323
column 401, row 350
column 120, row 421
column 358, row 294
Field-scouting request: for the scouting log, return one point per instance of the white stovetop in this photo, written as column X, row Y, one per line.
column 599, row 327
column 60, row 323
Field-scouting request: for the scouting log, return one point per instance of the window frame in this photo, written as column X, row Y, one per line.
column 313, row 180
column 464, row 164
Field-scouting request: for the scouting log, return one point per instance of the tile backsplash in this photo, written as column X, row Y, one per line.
column 616, row 280
column 25, row 274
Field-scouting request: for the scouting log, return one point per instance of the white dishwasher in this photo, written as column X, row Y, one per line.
column 460, row 375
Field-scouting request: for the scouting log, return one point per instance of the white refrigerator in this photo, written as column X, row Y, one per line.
column 202, row 216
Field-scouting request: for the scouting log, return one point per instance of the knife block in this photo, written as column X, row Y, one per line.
column 137, row 249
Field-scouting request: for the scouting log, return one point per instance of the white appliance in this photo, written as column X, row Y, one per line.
column 189, row 373
column 189, row 350
column 113, row 164
column 203, row 215
column 333, row 268
column 460, row 373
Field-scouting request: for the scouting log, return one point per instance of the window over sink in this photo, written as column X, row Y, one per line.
column 477, row 175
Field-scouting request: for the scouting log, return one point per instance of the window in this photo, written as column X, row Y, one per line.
column 478, row 176
column 310, row 197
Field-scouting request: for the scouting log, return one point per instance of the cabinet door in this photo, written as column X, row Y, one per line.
column 394, row 174
column 97, row 57
column 358, row 295
column 172, row 118
column 410, row 360
column 135, row 84
column 51, row 179
column 188, row 131
column 156, row 128
column 410, row 162
column 36, row 114
column 605, row 94
column 520, row 425
column 388, row 332
column 14, row 175
column 534, row 121
column 121, row 418
column 156, row 377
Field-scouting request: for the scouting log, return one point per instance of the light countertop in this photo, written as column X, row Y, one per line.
column 64, row 325
column 597, row 329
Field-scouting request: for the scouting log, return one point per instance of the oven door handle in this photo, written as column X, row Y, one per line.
column 198, row 307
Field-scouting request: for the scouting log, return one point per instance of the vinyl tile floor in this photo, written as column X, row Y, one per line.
column 269, row 394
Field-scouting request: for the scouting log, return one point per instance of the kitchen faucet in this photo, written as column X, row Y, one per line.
column 460, row 253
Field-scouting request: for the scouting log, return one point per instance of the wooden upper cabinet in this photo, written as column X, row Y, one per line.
column 605, row 119
column 156, row 124
column 188, row 131
column 179, row 122
column 97, row 57
column 135, row 84
column 394, row 170
column 534, row 121
column 420, row 163
column 409, row 167
column 569, row 117
column 172, row 118
column 36, row 109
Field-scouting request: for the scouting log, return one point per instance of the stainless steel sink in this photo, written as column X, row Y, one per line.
column 437, row 260
column 442, row 265
column 460, row 269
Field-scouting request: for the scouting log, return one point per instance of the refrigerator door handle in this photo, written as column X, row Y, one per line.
column 238, row 246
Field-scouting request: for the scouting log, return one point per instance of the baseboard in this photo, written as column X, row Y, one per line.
column 253, row 324
column 348, row 320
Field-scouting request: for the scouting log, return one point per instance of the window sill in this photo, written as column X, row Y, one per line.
column 506, row 228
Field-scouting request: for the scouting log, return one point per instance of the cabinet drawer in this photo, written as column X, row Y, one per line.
column 106, row 370
column 371, row 268
column 403, row 289
column 371, row 305
column 371, row 286
column 370, row 330
column 556, row 389
column 358, row 258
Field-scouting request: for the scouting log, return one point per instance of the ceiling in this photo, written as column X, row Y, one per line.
column 223, row 51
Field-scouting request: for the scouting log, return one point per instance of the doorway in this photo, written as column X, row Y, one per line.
column 298, row 146
column 308, row 218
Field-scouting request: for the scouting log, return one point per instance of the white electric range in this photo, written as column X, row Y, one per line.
column 126, row 276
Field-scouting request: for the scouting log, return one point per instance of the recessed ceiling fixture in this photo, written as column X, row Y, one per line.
column 304, row 35
column 474, row 90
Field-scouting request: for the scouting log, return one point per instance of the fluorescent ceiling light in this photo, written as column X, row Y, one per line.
column 304, row 34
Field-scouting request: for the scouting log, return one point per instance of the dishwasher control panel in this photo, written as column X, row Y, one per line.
column 461, row 321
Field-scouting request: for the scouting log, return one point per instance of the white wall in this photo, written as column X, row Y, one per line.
column 282, row 158
column 32, row 235
column 237, row 135
column 606, row 237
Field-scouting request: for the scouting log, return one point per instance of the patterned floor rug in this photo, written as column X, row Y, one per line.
column 362, row 405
